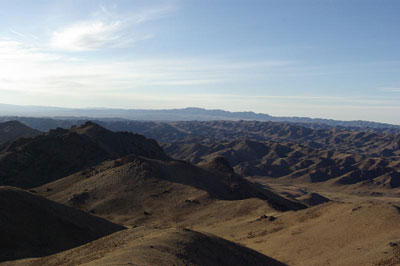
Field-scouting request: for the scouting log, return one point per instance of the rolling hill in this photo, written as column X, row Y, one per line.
column 32, row 226
column 143, row 246
column 203, row 213
column 35, row 161
column 294, row 162
column 12, row 130
column 135, row 190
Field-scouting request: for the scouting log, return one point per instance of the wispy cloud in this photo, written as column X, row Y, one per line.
column 106, row 30
column 29, row 66
column 87, row 36
column 31, row 69
column 28, row 73
column 17, row 33
column 14, row 52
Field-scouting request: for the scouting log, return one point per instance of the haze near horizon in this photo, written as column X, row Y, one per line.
column 328, row 59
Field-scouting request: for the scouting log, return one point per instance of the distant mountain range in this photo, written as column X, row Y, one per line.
column 185, row 114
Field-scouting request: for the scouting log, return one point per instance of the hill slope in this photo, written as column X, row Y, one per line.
column 378, row 141
column 32, row 162
column 135, row 190
column 143, row 246
column 32, row 226
column 341, row 139
column 12, row 130
column 344, row 234
column 294, row 162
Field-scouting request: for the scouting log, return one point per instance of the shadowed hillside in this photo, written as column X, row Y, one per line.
column 294, row 162
column 137, row 190
column 143, row 246
column 31, row 226
column 166, row 202
column 13, row 130
column 322, row 134
column 35, row 161
column 379, row 144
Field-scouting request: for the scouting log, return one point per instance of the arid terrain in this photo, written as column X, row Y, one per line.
column 210, row 193
column 12, row 130
column 200, row 133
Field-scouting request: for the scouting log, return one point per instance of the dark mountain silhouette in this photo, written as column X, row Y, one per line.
column 178, row 247
column 12, row 130
column 35, row 161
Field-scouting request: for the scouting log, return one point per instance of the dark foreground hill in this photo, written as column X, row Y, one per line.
column 142, row 246
column 32, row 226
column 12, row 130
column 31, row 162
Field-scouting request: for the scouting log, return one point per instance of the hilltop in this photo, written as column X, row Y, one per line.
column 143, row 246
column 30, row 162
column 135, row 190
column 311, row 196
column 295, row 162
column 12, row 130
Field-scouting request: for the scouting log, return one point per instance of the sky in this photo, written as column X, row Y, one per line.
column 337, row 59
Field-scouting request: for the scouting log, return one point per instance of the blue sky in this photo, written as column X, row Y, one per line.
column 336, row 59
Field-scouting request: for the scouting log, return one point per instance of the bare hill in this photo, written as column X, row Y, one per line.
column 32, row 226
column 31, row 162
column 141, row 246
column 167, row 202
column 294, row 162
column 12, row 130
column 373, row 142
column 340, row 139
column 135, row 190
column 345, row 234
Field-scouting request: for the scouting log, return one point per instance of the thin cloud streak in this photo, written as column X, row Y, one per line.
column 17, row 33
column 106, row 30
column 75, row 61
column 87, row 36
column 29, row 68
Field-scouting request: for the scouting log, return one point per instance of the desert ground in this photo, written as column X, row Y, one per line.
column 125, row 201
